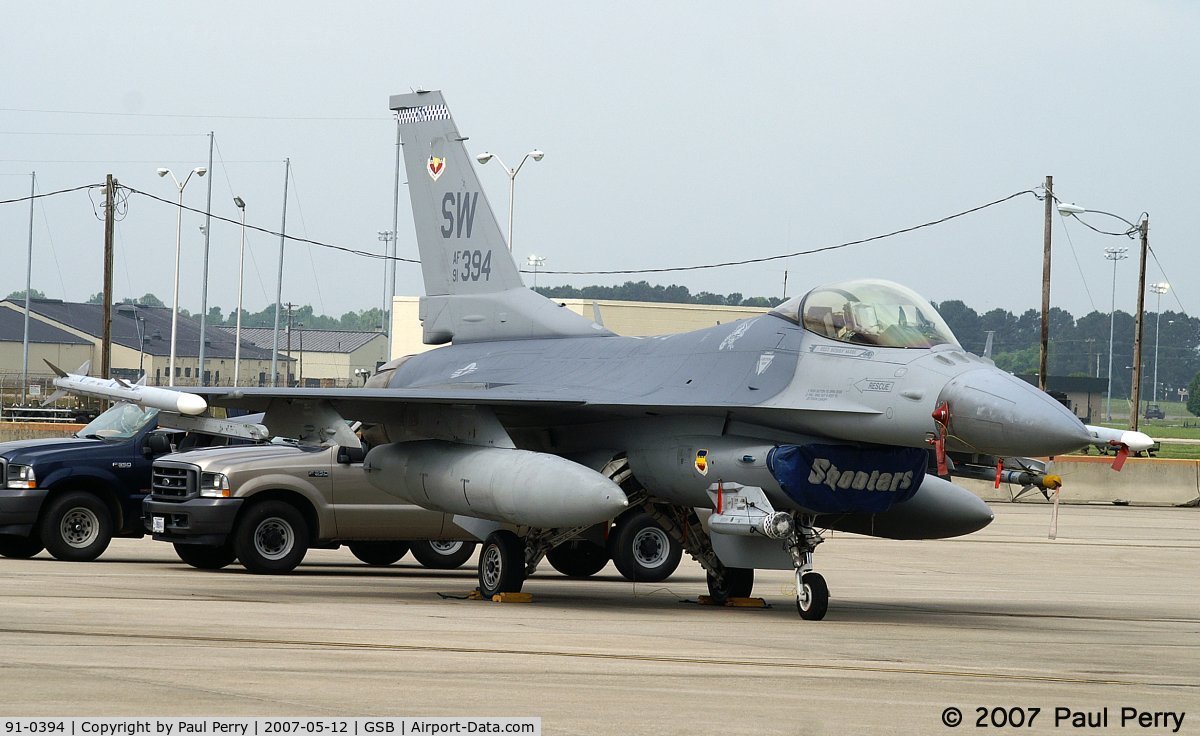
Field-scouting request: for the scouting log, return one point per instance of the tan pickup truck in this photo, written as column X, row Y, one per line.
column 267, row 505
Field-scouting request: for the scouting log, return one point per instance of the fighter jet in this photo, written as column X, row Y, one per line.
column 845, row 408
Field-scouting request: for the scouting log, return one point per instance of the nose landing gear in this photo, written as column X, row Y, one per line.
column 812, row 594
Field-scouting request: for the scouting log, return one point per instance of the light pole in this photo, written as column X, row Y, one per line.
column 198, row 171
column 387, row 237
column 484, row 157
column 237, row 332
column 1114, row 255
column 535, row 262
column 1159, row 289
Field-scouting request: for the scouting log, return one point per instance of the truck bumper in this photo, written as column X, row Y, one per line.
column 196, row 521
column 19, row 510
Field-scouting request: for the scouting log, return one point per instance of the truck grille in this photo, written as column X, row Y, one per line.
column 174, row 482
column 3, row 474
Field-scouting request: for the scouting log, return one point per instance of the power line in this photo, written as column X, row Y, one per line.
column 275, row 233
column 113, row 135
column 812, row 251
column 49, row 194
column 183, row 115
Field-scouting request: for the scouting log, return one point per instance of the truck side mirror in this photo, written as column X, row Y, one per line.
column 157, row 443
column 350, row 455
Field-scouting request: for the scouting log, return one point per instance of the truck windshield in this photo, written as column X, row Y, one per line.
column 122, row 421
column 869, row 312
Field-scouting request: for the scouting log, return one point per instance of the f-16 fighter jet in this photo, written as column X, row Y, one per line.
column 845, row 408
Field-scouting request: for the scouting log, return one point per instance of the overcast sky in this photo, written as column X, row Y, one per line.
column 675, row 134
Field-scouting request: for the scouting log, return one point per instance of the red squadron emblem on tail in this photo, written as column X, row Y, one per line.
column 435, row 167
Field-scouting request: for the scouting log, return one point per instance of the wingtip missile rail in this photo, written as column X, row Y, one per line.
column 117, row 390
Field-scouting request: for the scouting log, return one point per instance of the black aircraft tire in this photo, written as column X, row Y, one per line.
column 642, row 550
column 443, row 554
column 379, row 554
column 578, row 558
column 739, row 583
column 206, row 556
column 76, row 527
column 818, row 597
column 501, row 564
column 20, row 548
column 271, row 538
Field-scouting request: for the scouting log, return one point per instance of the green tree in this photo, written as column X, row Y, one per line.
column 1193, row 402
column 20, row 295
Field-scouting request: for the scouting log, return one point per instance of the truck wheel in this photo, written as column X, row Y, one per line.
column 271, row 538
column 379, row 553
column 578, row 558
column 642, row 550
column 443, row 555
column 76, row 527
column 20, row 548
column 206, row 556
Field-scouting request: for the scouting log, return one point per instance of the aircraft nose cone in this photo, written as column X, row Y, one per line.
column 999, row 414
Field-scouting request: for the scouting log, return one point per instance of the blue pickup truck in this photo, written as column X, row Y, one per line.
column 72, row 495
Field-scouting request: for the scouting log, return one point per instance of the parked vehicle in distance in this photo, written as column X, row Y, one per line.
column 72, row 495
column 1154, row 411
column 267, row 505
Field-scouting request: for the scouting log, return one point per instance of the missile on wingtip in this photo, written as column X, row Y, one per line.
column 117, row 390
column 1135, row 441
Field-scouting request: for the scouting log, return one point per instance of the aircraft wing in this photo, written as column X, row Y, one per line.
column 512, row 403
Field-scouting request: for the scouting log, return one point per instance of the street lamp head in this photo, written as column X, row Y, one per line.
column 200, row 171
column 237, row 201
column 537, row 155
column 484, row 157
column 163, row 172
column 1071, row 209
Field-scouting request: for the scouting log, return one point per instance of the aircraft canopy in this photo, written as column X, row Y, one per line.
column 869, row 312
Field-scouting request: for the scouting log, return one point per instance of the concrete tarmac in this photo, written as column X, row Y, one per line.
column 1106, row 616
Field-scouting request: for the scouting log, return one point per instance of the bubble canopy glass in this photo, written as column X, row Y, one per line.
column 869, row 312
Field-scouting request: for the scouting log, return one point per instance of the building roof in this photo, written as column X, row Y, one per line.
column 1070, row 384
column 314, row 341
column 154, row 327
column 12, row 329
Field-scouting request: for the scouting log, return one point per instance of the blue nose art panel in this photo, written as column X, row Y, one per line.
column 841, row 478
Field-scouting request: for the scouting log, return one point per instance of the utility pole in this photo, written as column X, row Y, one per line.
column 204, row 278
column 28, row 287
column 1047, row 229
column 1144, row 233
column 287, row 171
column 106, row 318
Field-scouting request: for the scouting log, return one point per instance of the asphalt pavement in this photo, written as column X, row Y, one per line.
column 1106, row 616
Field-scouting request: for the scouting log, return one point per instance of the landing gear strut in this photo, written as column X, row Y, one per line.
column 812, row 594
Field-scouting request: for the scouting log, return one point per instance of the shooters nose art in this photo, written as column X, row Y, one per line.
column 999, row 414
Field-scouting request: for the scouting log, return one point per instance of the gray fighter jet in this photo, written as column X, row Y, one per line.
column 845, row 408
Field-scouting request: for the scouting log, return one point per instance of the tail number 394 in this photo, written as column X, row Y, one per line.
column 471, row 265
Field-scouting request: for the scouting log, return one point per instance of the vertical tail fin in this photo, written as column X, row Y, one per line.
column 473, row 290
column 462, row 247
